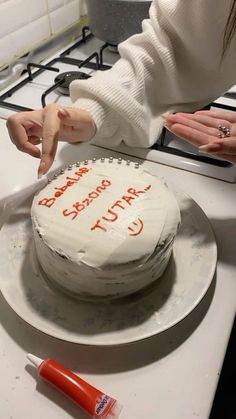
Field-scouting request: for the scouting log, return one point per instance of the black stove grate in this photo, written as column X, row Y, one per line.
column 160, row 146
column 96, row 62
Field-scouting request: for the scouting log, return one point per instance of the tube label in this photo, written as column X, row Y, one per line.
column 103, row 406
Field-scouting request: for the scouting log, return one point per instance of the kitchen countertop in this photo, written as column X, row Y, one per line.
column 172, row 375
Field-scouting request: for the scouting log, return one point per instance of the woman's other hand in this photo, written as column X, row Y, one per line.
column 205, row 129
column 47, row 126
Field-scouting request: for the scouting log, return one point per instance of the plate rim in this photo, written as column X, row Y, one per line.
column 83, row 340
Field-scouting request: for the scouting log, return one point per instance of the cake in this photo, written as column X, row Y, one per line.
column 104, row 228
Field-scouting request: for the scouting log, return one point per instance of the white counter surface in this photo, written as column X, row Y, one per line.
column 170, row 376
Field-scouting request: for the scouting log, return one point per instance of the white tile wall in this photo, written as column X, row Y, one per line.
column 25, row 24
column 13, row 15
column 27, row 37
column 64, row 16
column 7, row 50
column 55, row 4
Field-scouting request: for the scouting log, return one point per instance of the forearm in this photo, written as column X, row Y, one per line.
column 165, row 69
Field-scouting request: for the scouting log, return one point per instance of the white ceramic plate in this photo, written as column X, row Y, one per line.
column 172, row 298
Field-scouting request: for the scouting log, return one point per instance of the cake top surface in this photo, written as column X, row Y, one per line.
column 105, row 212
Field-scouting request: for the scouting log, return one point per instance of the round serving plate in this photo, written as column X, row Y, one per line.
column 172, row 297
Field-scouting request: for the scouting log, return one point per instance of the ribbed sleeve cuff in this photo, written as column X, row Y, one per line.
column 106, row 120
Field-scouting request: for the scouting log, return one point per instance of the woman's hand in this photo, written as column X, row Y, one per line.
column 47, row 126
column 204, row 129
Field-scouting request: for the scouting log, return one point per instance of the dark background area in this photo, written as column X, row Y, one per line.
column 224, row 406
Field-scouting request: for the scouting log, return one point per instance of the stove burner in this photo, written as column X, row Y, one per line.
column 113, row 48
column 67, row 78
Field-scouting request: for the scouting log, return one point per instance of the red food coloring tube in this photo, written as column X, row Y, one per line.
column 93, row 401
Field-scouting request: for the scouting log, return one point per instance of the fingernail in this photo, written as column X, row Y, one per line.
column 168, row 126
column 38, row 124
column 204, row 147
column 210, row 147
column 62, row 112
column 163, row 116
column 41, row 169
column 203, row 150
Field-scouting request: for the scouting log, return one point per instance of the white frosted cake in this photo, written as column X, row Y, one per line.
column 104, row 228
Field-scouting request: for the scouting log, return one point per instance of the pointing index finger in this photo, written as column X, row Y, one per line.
column 51, row 127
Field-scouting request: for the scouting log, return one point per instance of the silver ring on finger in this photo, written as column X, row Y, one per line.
column 223, row 132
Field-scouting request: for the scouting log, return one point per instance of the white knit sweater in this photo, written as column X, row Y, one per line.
column 173, row 65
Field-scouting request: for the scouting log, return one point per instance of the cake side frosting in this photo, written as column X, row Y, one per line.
column 104, row 228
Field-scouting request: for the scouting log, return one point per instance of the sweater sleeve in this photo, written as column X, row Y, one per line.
column 173, row 65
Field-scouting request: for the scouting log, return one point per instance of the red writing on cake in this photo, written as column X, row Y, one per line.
column 135, row 231
column 48, row 202
column 77, row 207
column 118, row 207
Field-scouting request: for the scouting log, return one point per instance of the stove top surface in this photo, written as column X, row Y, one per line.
column 48, row 82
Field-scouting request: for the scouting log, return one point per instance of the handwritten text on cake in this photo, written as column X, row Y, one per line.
column 135, row 231
column 48, row 202
column 77, row 207
column 113, row 213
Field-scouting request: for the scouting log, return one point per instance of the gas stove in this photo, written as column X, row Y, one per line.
column 48, row 82
column 152, row 369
